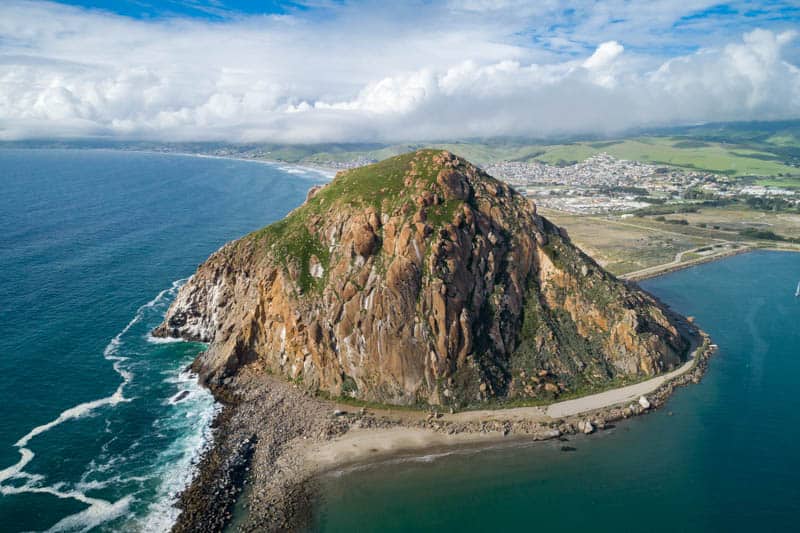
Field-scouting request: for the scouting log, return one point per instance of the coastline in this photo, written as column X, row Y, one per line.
column 661, row 270
column 273, row 439
column 668, row 268
column 485, row 428
column 327, row 172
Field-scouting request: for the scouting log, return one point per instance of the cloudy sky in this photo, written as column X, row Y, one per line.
column 339, row 70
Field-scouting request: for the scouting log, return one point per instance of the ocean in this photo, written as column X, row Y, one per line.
column 100, row 423
column 721, row 456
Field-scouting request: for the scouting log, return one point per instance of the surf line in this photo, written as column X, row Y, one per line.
column 110, row 353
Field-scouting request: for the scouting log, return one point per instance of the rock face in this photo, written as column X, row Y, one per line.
column 420, row 279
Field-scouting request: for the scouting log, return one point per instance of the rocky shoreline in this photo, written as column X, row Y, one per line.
column 253, row 437
column 269, row 434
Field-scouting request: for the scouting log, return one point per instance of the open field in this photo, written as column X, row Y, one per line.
column 733, row 219
column 786, row 183
column 713, row 157
column 645, row 245
column 763, row 149
column 768, row 150
column 623, row 247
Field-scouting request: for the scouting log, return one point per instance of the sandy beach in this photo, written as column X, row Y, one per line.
column 274, row 438
column 364, row 444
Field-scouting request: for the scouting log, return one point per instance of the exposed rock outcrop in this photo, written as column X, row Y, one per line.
column 421, row 279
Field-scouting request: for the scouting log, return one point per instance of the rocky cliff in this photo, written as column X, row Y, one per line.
column 420, row 279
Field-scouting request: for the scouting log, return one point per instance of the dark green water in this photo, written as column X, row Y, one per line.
column 727, row 460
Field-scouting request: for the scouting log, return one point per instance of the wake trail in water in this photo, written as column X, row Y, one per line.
column 99, row 510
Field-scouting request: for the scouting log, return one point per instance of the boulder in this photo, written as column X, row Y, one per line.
column 644, row 402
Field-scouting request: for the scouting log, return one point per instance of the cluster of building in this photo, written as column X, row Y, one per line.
column 601, row 170
column 759, row 190
column 345, row 165
column 601, row 184
column 604, row 184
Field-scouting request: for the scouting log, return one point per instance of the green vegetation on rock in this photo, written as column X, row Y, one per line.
column 380, row 186
column 423, row 280
column 291, row 242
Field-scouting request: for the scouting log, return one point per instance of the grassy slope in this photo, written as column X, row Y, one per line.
column 786, row 183
column 714, row 157
column 380, row 186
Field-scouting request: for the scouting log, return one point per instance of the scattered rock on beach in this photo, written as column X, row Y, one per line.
column 643, row 401
column 268, row 430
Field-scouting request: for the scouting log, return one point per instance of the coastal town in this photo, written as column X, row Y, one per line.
column 598, row 185
column 603, row 184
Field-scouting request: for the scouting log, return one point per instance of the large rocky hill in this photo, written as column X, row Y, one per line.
column 421, row 279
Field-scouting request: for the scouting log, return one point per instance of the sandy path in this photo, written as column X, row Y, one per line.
column 679, row 263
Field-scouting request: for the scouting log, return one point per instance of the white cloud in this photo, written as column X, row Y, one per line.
column 453, row 72
column 601, row 63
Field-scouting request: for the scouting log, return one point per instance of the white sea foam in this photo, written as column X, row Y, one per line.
column 85, row 484
column 14, row 471
column 98, row 511
column 179, row 460
column 309, row 172
column 292, row 170
column 163, row 340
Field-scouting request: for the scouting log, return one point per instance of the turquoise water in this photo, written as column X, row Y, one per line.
column 726, row 460
column 93, row 245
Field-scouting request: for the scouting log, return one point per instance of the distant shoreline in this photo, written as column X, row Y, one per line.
column 328, row 172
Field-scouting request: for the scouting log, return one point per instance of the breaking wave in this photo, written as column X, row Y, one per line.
column 190, row 418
